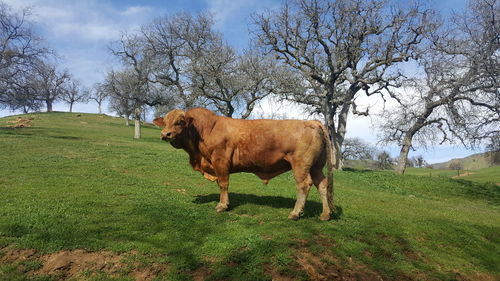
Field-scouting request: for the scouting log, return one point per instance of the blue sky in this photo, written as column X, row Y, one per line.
column 81, row 31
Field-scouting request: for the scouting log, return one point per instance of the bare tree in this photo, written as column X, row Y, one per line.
column 121, row 87
column 456, row 166
column 458, row 98
column 420, row 161
column 74, row 93
column 356, row 149
column 384, row 160
column 215, row 77
column 98, row 94
column 133, row 83
column 19, row 49
column 18, row 95
column 232, row 83
column 192, row 61
column 174, row 42
column 340, row 48
column 47, row 83
column 411, row 162
column 258, row 72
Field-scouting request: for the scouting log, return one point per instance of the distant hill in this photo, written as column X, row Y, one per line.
column 472, row 162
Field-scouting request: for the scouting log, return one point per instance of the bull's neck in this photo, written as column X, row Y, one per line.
column 203, row 122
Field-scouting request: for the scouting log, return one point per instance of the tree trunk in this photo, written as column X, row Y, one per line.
column 126, row 121
column 336, row 152
column 340, row 134
column 329, row 113
column 137, row 128
column 137, row 122
column 71, row 107
column 403, row 155
column 100, row 107
column 49, row 105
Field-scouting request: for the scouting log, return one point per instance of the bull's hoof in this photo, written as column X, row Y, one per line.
column 324, row 217
column 221, row 208
column 293, row 216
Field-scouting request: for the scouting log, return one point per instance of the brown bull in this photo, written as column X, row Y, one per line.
column 218, row 146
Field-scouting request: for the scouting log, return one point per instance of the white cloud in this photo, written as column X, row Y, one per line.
column 52, row 14
column 86, row 31
column 135, row 10
column 90, row 20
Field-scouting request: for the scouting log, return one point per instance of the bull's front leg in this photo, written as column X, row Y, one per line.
column 223, row 182
column 222, row 171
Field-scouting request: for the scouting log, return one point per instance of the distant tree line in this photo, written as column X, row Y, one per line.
column 437, row 76
column 359, row 153
column 29, row 75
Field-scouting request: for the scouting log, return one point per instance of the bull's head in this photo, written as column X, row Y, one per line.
column 174, row 126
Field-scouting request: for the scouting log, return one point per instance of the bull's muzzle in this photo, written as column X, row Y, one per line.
column 166, row 136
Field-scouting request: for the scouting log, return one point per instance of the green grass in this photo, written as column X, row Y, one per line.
column 491, row 174
column 72, row 182
column 484, row 175
column 430, row 172
column 472, row 162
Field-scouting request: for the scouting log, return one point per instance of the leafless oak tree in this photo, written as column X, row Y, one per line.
column 120, row 93
column 232, row 83
column 47, row 83
column 98, row 94
column 134, row 82
column 174, row 41
column 74, row 93
column 20, row 48
column 340, row 48
column 458, row 97
column 356, row 149
column 193, row 62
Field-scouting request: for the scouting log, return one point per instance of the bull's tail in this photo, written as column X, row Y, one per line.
column 329, row 166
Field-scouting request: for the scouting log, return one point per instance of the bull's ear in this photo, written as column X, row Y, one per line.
column 159, row 122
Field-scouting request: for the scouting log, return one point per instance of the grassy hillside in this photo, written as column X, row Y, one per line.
column 81, row 199
column 484, row 175
column 472, row 162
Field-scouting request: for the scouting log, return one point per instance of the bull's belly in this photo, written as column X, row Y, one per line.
column 266, row 171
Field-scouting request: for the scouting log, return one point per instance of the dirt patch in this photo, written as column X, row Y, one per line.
column 12, row 255
column 275, row 275
column 200, row 273
column 324, row 266
column 21, row 122
column 67, row 264
column 148, row 273
column 463, row 175
column 70, row 264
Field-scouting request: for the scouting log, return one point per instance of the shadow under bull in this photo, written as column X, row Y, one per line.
column 312, row 208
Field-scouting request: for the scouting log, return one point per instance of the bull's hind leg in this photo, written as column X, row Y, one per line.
column 304, row 182
column 321, row 182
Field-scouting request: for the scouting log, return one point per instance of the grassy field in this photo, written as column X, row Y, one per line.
column 472, row 162
column 81, row 199
column 484, row 175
